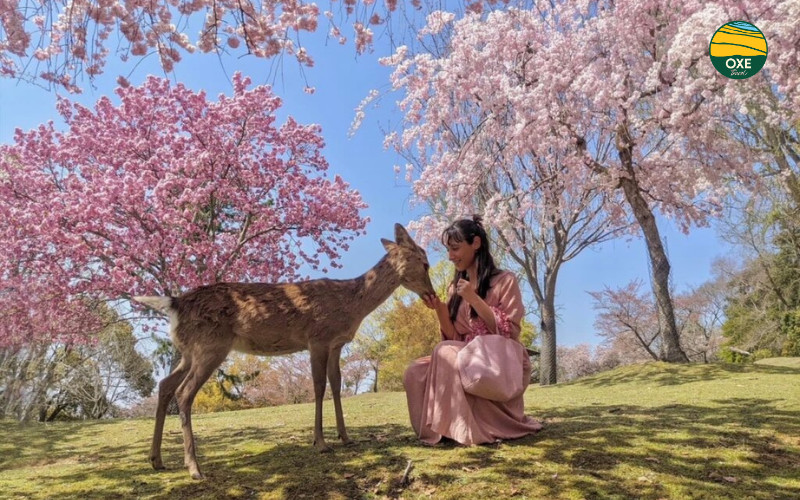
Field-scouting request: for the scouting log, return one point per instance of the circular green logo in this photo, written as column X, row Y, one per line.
column 738, row 50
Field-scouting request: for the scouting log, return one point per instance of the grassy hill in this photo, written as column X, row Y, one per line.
column 648, row 431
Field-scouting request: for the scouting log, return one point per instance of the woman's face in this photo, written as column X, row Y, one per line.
column 462, row 254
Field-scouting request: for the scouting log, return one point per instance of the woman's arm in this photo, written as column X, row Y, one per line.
column 504, row 318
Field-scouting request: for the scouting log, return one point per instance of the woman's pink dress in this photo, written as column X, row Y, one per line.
column 437, row 403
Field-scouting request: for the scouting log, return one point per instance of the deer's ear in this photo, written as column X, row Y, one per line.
column 402, row 237
column 388, row 245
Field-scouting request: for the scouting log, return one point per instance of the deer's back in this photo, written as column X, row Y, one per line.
column 264, row 318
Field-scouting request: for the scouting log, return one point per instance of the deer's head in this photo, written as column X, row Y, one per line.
column 410, row 261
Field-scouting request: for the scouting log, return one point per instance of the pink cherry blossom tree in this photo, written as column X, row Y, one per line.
column 159, row 192
column 701, row 314
column 646, row 75
column 622, row 96
column 469, row 152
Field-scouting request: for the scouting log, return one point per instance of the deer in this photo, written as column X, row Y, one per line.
column 319, row 315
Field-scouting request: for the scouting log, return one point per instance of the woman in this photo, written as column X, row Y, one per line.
column 482, row 300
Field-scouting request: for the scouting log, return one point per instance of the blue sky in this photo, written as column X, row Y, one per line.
column 342, row 80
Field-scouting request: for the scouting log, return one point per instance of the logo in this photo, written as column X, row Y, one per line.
column 738, row 50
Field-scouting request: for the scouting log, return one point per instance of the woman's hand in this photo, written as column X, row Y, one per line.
column 467, row 290
column 432, row 301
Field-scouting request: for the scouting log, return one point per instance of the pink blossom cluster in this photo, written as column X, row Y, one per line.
column 436, row 22
column 69, row 36
column 56, row 40
column 359, row 111
column 161, row 191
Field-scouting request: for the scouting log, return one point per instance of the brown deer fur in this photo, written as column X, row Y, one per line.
column 272, row 319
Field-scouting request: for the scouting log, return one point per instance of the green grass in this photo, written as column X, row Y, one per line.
column 787, row 362
column 648, row 431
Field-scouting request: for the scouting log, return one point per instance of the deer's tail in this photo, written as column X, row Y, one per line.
column 166, row 305
column 163, row 304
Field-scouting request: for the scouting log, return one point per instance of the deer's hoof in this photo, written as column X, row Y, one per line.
column 322, row 447
column 157, row 463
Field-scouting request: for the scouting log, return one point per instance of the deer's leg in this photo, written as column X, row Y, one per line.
column 319, row 363
column 166, row 389
column 202, row 368
column 335, row 378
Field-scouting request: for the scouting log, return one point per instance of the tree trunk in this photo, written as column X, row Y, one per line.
column 780, row 148
column 14, row 379
column 547, row 360
column 659, row 267
column 55, row 413
column 42, row 385
column 375, row 382
column 545, row 295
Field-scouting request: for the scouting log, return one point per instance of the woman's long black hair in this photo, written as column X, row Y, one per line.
column 465, row 230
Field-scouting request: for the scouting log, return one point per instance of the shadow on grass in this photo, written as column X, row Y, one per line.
column 250, row 462
column 46, row 439
column 689, row 447
column 292, row 468
column 674, row 451
column 741, row 448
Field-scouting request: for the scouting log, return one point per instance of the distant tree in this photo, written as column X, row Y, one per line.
column 628, row 312
column 27, row 373
column 281, row 380
column 700, row 315
column 583, row 360
column 369, row 346
column 628, row 321
column 224, row 391
column 355, row 372
column 574, row 362
column 763, row 299
column 247, row 381
column 144, row 408
column 763, row 307
column 787, row 262
column 411, row 331
column 102, row 376
column 748, row 325
column 52, row 380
